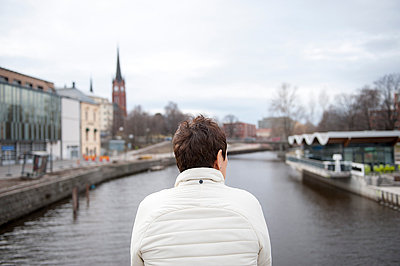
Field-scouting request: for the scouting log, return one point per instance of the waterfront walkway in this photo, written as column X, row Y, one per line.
column 10, row 174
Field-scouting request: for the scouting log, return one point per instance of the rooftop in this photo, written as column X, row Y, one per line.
column 346, row 137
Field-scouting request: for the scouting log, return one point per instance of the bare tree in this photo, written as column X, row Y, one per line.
column 138, row 121
column 173, row 116
column 348, row 110
column 388, row 87
column 310, row 109
column 331, row 120
column 286, row 105
column 323, row 100
column 157, row 123
column 368, row 99
column 309, row 126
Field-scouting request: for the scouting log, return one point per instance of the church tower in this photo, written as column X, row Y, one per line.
column 118, row 94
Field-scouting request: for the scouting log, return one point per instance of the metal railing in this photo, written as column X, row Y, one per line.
column 326, row 165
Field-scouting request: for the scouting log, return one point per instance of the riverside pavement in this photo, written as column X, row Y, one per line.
column 11, row 174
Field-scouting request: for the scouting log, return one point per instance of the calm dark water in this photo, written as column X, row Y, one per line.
column 309, row 224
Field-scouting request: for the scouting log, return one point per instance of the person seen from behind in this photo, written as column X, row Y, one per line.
column 200, row 221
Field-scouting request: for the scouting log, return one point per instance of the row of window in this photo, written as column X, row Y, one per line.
column 87, row 115
column 94, row 135
column 19, row 83
column 25, row 131
column 366, row 153
column 29, row 114
column 91, row 151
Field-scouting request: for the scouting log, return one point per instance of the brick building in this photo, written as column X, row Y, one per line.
column 239, row 130
column 385, row 120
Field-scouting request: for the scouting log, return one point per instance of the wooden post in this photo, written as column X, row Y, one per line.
column 75, row 202
column 87, row 193
column 391, row 200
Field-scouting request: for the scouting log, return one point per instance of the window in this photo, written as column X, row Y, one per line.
column 94, row 135
column 3, row 79
column 94, row 116
column 40, row 88
column 16, row 82
column 87, row 135
column 74, row 153
column 28, row 85
column 86, row 115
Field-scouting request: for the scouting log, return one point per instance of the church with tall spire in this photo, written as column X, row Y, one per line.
column 118, row 90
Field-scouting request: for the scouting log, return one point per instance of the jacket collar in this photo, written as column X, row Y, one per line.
column 203, row 173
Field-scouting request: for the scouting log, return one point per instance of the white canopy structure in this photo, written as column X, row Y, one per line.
column 346, row 137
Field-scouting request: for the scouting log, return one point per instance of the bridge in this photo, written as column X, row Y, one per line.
column 280, row 145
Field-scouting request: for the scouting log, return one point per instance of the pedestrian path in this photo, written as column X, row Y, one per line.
column 8, row 172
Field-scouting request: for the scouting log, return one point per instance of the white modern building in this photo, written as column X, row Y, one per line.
column 89, row 121
column 70, row 128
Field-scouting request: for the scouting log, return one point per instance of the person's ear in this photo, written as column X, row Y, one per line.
column 220, row 160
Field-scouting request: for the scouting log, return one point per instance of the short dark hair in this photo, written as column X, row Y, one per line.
column 197, row 142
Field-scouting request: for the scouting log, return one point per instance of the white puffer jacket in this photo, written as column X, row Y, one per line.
column 200, row 222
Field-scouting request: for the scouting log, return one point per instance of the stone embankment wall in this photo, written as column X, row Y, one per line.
column 21, row 201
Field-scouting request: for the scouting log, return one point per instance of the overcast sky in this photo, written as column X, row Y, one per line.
column 210, row 57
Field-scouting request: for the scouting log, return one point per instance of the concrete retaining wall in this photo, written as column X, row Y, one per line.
column 19, row 202
column 354, row 184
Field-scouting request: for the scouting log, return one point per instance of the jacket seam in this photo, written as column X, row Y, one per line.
column 230, row 254
column 231, row 241
column 203, row 230
column 147, row 227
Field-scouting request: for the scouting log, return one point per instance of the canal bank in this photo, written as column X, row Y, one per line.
column 21, row 200
column 361, row 162
column 365, row 186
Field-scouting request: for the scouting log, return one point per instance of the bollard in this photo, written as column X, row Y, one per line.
column 77, row 162
column 75, row 202
column 87, row 193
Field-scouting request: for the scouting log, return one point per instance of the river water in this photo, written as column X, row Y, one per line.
column 309, row 223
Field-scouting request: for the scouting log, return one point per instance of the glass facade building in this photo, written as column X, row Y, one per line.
column 366, row 153
column 28, row 118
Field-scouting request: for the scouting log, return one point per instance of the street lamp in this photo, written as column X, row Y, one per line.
column 130, row 142
column 51, row 155
column 121, row 129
